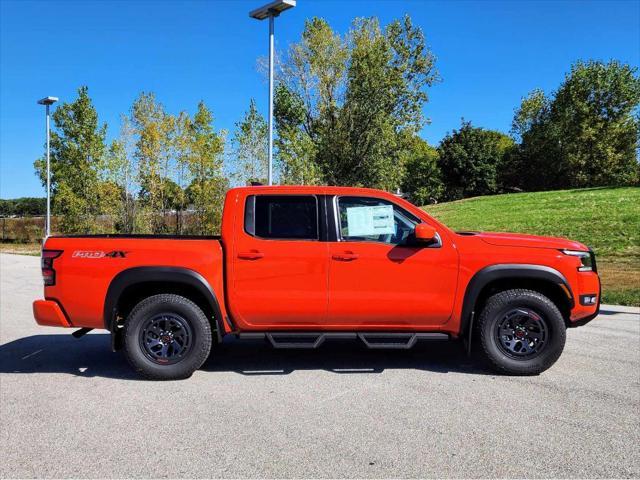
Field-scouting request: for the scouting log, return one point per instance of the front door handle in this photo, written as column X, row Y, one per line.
column 253, row 255
column 345, row 256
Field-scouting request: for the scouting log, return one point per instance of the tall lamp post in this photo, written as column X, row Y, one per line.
column 47, row 102
column 270, row 11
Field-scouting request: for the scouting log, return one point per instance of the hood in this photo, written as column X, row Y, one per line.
column 523, row 240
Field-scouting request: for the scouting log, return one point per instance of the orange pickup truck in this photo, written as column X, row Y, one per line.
column 301, row 265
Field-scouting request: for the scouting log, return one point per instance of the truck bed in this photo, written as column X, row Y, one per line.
column 89, row 264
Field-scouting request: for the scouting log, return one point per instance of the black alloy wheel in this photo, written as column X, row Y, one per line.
column 522, row 333
column 166, row 338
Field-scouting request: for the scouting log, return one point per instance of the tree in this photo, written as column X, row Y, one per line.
column 348, row 107
column 250, row 162
column 154, row 130
column 469, row 160
column 203, row 158
column 536, row 163
column 585, row 134
column 77, row 149
column 296, row 147
column 423, row 179
column 120, row 171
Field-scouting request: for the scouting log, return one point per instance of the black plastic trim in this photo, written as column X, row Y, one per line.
column 589, row 295
column 594, row 264
column 322, row 218
column 139, row 275
column 332, row 228
column 500, row 272
column 396, row 340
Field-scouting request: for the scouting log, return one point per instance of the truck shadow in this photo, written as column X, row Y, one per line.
column 91, row 356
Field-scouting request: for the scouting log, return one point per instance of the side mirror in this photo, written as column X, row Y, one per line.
column 424, row 233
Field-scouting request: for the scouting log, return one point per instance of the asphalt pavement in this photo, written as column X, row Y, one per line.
column 72, row 408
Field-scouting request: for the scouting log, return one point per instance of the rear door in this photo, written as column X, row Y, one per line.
column 280, row 263
column 379, row 277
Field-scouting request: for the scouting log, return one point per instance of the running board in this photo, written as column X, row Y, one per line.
column 309, row 340
column 398, row 340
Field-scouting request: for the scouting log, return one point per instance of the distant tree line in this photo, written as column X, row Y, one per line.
column 23, row 207
column 348, row 111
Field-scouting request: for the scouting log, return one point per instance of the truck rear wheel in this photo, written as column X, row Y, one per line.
column 167, row 337
column 521, row 332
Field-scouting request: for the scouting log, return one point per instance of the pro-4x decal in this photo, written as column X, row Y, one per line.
column 99, row 254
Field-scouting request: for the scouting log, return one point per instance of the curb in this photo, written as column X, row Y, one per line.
column 619, row 309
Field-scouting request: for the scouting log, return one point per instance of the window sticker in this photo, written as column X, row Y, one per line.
column 365, row 221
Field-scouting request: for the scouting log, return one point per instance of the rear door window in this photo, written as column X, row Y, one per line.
column 282, row 217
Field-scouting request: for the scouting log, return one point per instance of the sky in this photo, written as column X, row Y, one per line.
column 489, row 54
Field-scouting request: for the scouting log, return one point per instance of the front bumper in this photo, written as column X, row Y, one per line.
column 581, row 315
column 49, row 314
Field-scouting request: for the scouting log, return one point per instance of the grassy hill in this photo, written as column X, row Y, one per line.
column 606, row 219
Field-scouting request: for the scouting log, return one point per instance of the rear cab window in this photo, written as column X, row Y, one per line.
column 282, row 217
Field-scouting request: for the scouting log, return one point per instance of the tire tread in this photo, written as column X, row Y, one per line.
column 196, row 358
column 537, row 365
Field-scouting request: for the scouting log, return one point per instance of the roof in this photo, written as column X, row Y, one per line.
column 317, row 189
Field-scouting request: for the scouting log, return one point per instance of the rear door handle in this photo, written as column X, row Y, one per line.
column 345, row 257
column 254, row 255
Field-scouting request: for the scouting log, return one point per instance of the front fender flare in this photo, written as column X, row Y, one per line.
column 500, row 272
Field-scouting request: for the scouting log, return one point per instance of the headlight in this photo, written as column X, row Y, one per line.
column 586, row 260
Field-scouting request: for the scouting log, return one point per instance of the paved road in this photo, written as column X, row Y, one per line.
column 71, row 408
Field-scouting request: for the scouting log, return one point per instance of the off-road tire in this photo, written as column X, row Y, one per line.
column 199, row 331
column 491, row 346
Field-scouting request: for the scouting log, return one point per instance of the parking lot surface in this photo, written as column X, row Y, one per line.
column 72, row 408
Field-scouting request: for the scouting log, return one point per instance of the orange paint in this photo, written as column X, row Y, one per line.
column 323, row 284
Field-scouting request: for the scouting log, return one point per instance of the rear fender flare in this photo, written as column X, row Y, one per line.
column 138, row 275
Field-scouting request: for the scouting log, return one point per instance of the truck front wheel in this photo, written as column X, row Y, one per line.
column 521, row 332
column 167, row 337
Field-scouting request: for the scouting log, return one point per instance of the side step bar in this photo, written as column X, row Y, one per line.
column 401, row 340
column 398, row 340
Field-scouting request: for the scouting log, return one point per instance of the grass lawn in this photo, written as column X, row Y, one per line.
column 606, row 219
column 21, row 248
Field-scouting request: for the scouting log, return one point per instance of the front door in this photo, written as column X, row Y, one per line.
column 280, row 265
column 379, row 276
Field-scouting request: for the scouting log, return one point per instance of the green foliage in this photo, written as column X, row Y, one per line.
column 470, row 158
column 77, row 149
column 348, row 108
column 250, row 162
column 296, row 147
column 23, row 207
column 203, row 153
column 422, row 181
column 585, row 134
column 154, row 130
column 623, row 296
column 118, row 177
column 164, row 173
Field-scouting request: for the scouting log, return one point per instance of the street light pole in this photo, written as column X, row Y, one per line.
column 48, row 229
column 47, row 102
column 271, row 22
column 270, row 11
